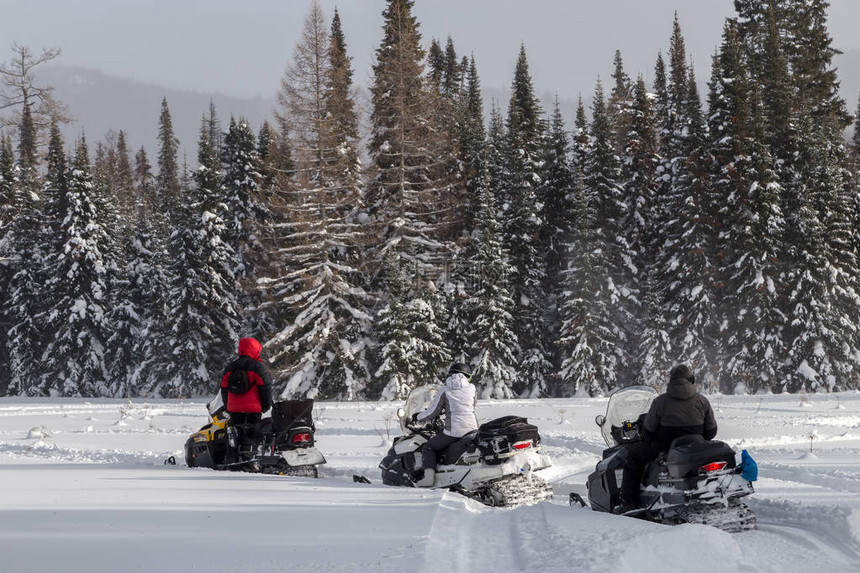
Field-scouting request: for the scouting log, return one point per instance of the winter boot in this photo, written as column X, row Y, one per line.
column 427, row 479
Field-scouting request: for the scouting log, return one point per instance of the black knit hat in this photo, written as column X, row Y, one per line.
column 682, row 372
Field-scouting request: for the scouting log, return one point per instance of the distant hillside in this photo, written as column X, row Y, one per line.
column 100, row 103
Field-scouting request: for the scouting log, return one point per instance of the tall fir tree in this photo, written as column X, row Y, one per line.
column 410, row 157
column 602, row 192
column 73, row 361
column 322, row 352
column 248, row 220
column 167, row 179
column 590, row 342
column 493, row 340
column 21, row 253
column 8, row 184
column 730, row 128
column 405, row 142
column 201, row 300
column 523, row 224
column 753, row 314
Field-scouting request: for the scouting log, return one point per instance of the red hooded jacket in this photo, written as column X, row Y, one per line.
column 259, row 398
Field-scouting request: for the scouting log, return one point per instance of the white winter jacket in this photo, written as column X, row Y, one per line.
column 457, row 399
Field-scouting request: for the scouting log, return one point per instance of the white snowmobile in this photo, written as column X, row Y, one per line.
column 494, row 464
column 696, row 481
column 280, row 444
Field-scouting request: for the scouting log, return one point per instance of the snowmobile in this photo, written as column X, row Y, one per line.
column 282, row 443
column 696, row 481
column 494, row 464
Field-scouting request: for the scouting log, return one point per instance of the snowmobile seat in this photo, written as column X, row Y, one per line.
column 687, row 440
column 291, row 412
column 453, row 452
column 685, row 458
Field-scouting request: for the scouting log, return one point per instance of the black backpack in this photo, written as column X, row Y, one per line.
column 238, row 382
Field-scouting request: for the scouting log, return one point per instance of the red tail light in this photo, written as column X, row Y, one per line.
column 714, row 466
column 300, row 438
column 522, row 445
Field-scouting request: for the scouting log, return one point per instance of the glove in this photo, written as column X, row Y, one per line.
column 414, row 418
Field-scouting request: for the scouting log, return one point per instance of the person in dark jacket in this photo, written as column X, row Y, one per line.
column 681, row 411
column 245, row 407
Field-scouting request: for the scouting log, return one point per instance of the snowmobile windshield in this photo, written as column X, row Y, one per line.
column 625, row 405
column 417, row 400
column 215, row 404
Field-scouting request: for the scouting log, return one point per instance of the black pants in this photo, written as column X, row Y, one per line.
column 240, row 421
column 431, row 449
column 635, row 457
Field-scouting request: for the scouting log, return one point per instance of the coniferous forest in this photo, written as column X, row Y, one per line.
column 368, row 245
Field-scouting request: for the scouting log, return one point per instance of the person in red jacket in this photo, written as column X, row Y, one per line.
column 245, row 390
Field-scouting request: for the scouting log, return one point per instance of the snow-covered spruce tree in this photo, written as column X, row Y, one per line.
column 639, row 165
column 148, row 293
column 265, row 149
column 590, row 340
column 755, row 345
column 112, row 193
column 449, row 99
column 661, row 96
column 410, row 156
column 557, row 186
column 201, row 304
column 167, row 179
column 28, row 163
column 8, row 184
column 804, row 119
column 435, row 63
column 73, row 360
column 809, row 50
column 640, row 225
column 655, row 357
column 406, row 144
column 492, row 338
column 145, row 289
column 523, row 221
column 139, row 290
column 618, row 103
column 684, row 217
column 821, row 276
column 730, row 128
column 322, row 352
column 472, row 159
column 341, row 160
column 241, row 196
column 112, row 170
column 20, row 251
column 412, row 350
column 755, row 342
column 687, row 260
column 607, row 277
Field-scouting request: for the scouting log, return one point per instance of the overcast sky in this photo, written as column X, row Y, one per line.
column 241, row 47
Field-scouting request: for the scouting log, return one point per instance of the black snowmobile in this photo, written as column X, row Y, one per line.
column 696, row 481
column 281, row 444
column 494, row 464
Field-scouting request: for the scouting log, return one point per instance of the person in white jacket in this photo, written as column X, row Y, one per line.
column 457, row 400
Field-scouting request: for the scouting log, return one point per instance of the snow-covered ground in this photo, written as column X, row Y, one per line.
column 84, row 488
